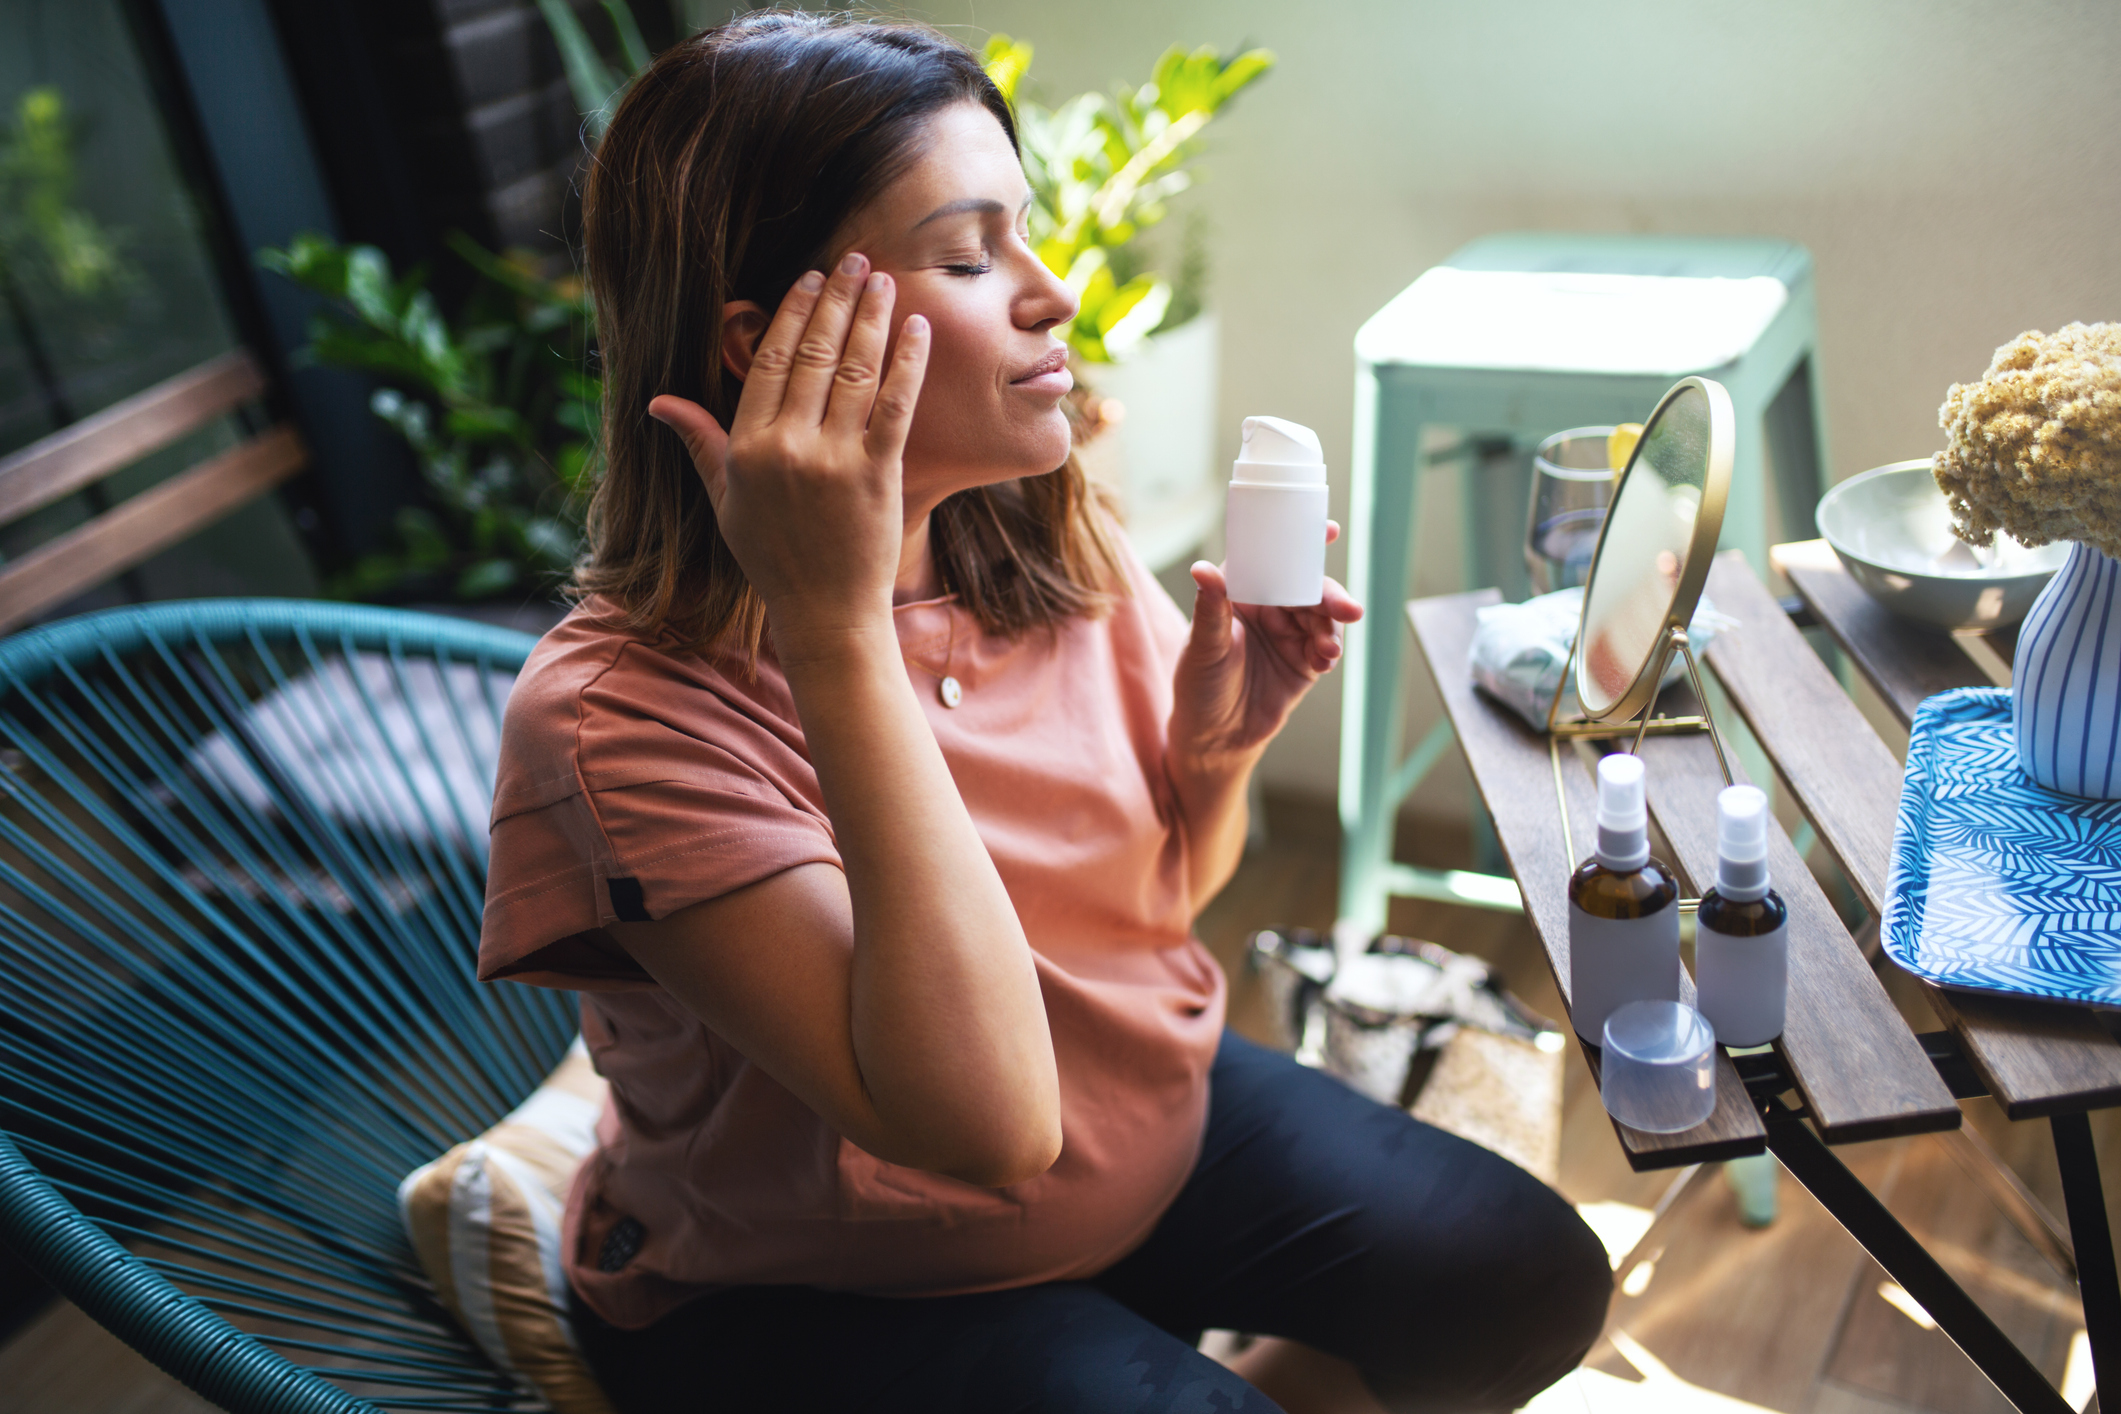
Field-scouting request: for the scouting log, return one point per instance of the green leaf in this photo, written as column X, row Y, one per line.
column 487, row 578
column 1006, row 62
column 1122, row 332
column 425, row 545
column 593, row 82
column 631, row 45
column 368, row 286
column 310, row 260
column 479, row 422
column 1082, row 272
column 551, row 541
column 576, row 463
column 520, row 279
column 1240, row 72
column 577, row 417
column 1118, row 304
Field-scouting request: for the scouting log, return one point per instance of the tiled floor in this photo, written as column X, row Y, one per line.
column 1793, row 1318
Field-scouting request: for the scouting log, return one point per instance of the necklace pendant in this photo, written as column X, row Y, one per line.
column 950, row 691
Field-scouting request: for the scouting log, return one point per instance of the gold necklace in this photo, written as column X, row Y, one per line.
column 948, row 689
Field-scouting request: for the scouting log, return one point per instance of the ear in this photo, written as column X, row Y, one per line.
column 743, row 322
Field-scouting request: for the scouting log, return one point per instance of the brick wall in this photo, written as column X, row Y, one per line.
column 433, row 115
column 518, row 114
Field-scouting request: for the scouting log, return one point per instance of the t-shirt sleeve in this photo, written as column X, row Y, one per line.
column 657, row 785
column 1167, row 624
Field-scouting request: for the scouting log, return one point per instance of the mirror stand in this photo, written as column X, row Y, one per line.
column 1649, row 722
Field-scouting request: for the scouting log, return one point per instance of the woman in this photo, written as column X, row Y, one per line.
column 868, row 796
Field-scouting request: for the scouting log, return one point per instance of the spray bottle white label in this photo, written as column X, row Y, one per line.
column 1744, row 983
column 1614, row 961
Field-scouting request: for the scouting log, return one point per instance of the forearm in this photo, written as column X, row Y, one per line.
column 946, row 1020
column 1214, row 815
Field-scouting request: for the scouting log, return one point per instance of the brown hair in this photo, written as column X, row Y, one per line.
column 725, row 173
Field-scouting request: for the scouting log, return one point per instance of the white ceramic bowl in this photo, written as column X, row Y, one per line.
column 1893, row 532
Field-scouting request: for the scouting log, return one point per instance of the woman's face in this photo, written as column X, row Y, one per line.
column 950, row 231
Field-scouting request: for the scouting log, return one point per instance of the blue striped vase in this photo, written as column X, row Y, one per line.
column 2066, row 681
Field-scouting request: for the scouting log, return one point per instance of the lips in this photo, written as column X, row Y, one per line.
column 1053, row 362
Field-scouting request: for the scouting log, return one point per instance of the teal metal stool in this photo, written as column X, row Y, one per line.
column 1520, row 336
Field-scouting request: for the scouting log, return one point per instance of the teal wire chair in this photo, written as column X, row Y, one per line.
column 242, row 862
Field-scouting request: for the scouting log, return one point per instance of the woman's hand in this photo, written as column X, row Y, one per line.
column 1242, row 672
column 805, row 483
column 1245, row 668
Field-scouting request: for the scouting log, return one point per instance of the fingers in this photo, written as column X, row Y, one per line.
column 1332, row 531
column 816, row 358
column 1211, row 611
column 766, row 386
column 1311, row 634
column 854, row 382
column 1322, row 648
column 704, row 439
column 1321, row 626
column 1338, row 604
column 891, row 414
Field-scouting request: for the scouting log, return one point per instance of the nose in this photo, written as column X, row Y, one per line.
column 1044, row 299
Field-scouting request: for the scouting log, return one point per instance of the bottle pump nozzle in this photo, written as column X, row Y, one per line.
column 1623, row 817
column 1274, row 451
column 1741, row 843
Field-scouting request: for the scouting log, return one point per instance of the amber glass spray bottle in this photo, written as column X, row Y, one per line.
column 1623, row 909
column 1741, row 937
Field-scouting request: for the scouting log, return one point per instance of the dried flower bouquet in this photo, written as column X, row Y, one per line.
column 2034, row 447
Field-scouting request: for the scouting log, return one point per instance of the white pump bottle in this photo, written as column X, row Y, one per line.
column 1275, row 530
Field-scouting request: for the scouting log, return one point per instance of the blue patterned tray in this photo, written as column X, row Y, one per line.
column 1997, row 884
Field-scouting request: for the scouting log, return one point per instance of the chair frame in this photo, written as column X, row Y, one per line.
column 125, row 1293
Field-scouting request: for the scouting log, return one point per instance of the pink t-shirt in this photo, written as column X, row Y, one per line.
column 636, row 779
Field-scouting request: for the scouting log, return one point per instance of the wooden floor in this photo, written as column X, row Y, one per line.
column 1792, row 1318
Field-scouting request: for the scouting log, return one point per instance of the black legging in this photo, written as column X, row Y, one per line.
column 1451, row 1278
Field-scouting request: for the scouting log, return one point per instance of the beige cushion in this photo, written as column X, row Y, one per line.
column 485, row 1223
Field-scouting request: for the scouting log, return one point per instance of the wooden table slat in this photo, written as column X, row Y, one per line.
column 2037, row 1058
column 1512, row 770
column 1860, row 1069
column 1903, row 660
column 1845, row 778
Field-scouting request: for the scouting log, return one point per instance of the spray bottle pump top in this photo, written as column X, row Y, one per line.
column 1278, row 452
column 1741, row 843
column 1623, row 816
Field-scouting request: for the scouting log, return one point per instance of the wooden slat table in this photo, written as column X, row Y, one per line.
column 2037, row 1058
column 1856, row 1068
column 1513, row 774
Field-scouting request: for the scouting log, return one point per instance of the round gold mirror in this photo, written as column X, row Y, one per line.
column 1654, row 551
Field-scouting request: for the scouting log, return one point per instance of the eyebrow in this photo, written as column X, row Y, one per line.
column 984, row 205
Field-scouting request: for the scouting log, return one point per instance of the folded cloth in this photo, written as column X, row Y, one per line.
column 1519, row 650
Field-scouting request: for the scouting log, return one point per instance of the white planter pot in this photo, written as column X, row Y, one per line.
column 1160, row 456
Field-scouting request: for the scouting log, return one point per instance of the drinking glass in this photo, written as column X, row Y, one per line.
column 1571, row 485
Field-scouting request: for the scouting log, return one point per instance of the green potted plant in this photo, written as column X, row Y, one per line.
column 495, row 404
column 500, row 403
column 1103, row 168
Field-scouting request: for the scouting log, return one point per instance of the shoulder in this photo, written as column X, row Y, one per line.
column 1145, row 613
column 594, row 697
